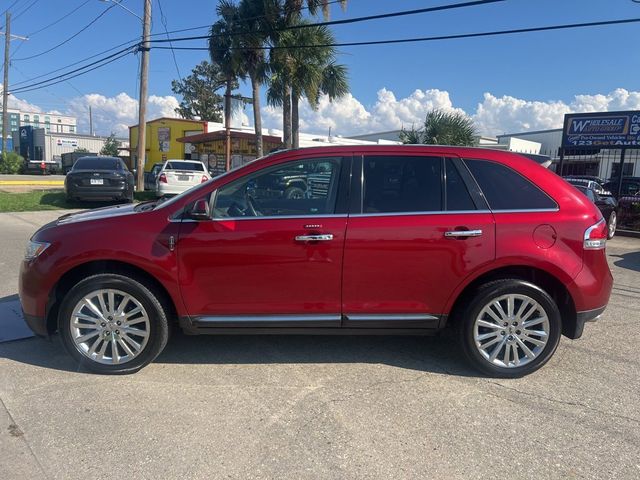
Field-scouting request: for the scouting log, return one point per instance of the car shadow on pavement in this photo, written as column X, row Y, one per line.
column 438, row 354
column 630, row 261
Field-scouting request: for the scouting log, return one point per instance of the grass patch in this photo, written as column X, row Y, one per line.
column 53, row 200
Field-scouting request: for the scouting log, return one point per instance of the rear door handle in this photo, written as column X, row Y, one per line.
column 324, row 237
column 463, row 233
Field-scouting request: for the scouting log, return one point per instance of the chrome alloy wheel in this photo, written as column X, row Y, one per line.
column 613, row 223
column 511, row 330
column 109, row 326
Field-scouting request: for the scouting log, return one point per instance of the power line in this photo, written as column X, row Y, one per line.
column 10, row 7
column 25, row 10
column 27, row 89
column 255, row 17
column 430, row 39
column 77, row 72
column 129, row 43
column 22, row 12
column 70, row 38
column 346, row 21
column 66, row 15
column 164, row 23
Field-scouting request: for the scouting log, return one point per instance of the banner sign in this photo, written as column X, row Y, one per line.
column 67, row 142
column 164, row 139
column 602, row 130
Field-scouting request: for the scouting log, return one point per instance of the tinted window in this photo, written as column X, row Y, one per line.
column 402, row 184
column 506, row 189
column 96, row 163
column 458, row 197
column 299, row 188
column 196, row 166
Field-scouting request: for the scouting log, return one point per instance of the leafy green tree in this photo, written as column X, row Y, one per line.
column 443, row 128
column 11, row 163
column 198, row 92
column 111, row 146
column 81, row 150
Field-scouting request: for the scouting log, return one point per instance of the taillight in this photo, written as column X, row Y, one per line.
column 595, row 237
column 204, row 179
column 162, row 178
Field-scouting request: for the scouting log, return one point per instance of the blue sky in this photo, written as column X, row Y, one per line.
column 545, row 67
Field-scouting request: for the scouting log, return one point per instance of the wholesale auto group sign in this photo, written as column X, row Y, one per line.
column 607, row 129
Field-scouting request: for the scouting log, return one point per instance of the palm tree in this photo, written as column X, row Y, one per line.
column 442, row 128
column 222, row 48
column 304, row 72
column 295, row 6
column 252, row 56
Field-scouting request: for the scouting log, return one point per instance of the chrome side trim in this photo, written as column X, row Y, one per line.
column 402, row 214
column 272, row 217
column 390, row 317
column 454, row 212
column 213, row 319
column 532, row 210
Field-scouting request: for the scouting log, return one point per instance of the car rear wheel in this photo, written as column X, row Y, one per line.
column 612, row 224
column 113, row 324
column 510, row 328
column 294, row 193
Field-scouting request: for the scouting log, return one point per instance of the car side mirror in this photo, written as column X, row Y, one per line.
column 200, row 210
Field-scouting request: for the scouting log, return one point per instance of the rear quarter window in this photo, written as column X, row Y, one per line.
column 506, row 189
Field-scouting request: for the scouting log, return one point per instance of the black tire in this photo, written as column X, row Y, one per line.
column 158, row 334
column 293, row 193
column 466, row 317
column 612, row 223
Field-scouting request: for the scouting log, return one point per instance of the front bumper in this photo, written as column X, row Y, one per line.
column 38, row 325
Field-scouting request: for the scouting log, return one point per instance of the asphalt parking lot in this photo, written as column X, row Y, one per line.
column 323, row 407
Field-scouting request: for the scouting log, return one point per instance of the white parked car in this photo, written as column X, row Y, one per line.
column 177, row 176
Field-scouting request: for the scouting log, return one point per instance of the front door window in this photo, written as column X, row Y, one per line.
column 298, row 188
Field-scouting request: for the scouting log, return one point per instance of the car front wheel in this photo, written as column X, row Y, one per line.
column 510, row 328
column 113, row 324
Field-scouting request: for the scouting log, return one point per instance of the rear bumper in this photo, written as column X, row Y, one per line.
column 164, row 189
column 582, row 318
column 99, row 192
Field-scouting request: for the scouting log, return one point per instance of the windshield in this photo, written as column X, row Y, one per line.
column 196, row 166
column 97, row 163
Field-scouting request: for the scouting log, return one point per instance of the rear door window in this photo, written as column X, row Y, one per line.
column 506, row 189
column 402, row 184
column 458, row 196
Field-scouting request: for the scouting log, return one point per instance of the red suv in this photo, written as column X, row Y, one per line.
column 381, row 239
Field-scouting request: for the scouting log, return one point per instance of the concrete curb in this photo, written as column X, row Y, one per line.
column 32, row 182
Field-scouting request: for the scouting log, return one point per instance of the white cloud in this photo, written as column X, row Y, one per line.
column 348, row 116
column 117, row 114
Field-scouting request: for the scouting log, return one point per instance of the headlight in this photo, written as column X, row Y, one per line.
column 34, row 249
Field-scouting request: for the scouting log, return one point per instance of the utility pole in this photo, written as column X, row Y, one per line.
column 90, row 122
column 5, row 82
column 142, row 105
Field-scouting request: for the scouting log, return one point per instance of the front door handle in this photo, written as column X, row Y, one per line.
column 463, row 233
column 324, row 237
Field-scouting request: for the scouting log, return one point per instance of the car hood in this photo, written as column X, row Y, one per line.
column 97, row 214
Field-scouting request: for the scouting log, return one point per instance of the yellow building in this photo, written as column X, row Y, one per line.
column 209, row 148
column 162, row 139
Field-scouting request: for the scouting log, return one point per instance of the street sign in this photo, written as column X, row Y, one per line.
column 602, row 130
